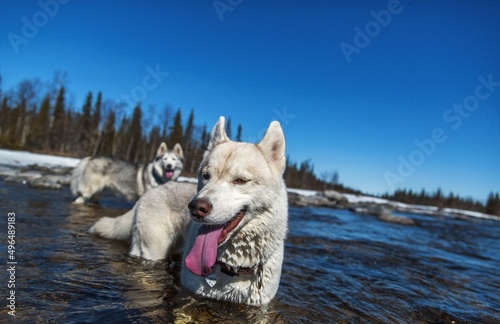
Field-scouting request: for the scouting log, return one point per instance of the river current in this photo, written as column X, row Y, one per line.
column 339, row 267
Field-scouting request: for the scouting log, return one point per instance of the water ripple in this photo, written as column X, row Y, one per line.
column 339, row 267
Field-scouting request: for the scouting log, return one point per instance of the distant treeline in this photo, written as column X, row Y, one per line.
column 441, row 200
column 43, row 121
column 37, row 117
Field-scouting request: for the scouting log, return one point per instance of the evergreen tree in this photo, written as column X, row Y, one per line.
column 166, row 115
column 438, row 198
column 493, row 204
column 189, row 145
column 10, row 126
column 17, row 120
column 450, row 201
column 228, row 128
column 423, row 198
column 95, row 131
column 4, row 111
column 108, row 135
column 188, row 133
column 122, row 139
column 176, row 132
column 56, row 133
column 69, row 133
column 154, row 142
column 204, row 138
column 238, row 133
column 135, row 135
column 85, row 138
column 4, row 117
column 39, row 133
column 27, row 92
column 96, row 116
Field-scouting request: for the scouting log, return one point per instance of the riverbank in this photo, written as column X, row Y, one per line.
column 53, row 172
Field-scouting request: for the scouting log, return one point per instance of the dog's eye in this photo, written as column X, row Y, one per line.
column 240, row 181
column 205, row 175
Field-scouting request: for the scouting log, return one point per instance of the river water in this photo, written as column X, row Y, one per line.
column 339, row 267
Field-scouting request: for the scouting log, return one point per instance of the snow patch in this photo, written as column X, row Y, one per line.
column 303, row 192
column 356, row 199
column 187, row 179
column 22, row 158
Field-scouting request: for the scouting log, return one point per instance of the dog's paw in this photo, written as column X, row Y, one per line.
column 103, row 227
column 79, row 200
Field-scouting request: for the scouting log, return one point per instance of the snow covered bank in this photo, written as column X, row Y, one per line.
column 187, row 179
column 417, row 209
column 22, row 158
column 303, row 192
column 17, row 159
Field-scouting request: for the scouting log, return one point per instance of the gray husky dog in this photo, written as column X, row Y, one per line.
column 231, row 227
column 93, row 175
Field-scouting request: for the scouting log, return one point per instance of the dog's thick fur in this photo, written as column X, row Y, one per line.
column 234, row 229
column 157, row 225
column 94, row 175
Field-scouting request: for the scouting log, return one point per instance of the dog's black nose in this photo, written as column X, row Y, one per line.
column 200, row 208
column 169, row 166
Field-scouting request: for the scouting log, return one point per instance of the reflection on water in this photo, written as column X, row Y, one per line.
column 339, row 267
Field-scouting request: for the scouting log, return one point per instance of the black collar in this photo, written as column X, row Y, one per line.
column 157, row 178
column 237, row 271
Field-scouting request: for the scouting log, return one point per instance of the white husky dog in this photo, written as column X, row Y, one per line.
column 93, row 175
column 234, row 227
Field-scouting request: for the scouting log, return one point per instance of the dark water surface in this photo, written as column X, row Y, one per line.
column 339, row 268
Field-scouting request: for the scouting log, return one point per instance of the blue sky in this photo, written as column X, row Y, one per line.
column 356, row 85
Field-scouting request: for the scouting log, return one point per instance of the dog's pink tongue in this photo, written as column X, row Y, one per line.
column 169, row 174
column 203, row 254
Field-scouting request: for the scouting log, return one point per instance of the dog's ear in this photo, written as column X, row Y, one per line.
column 272, row 146
column 178, row 150
column 162, row 149
column 218, row 135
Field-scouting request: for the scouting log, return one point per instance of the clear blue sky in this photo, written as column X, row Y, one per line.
column 360, row 82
